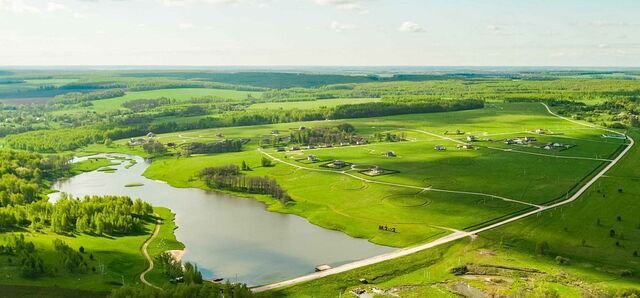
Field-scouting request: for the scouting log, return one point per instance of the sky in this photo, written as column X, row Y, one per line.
column 320, row 32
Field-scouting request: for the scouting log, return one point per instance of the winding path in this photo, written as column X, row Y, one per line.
column 455, row 235
column 429, row 188
column 145, row 253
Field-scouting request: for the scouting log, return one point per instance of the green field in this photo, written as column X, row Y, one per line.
column 436, row 190
column 180, row 94
column 572, row 231
column 588, row 248
column 119, row 256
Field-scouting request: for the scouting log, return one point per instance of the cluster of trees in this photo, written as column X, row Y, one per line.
column 30, row 263
column 141, row 105
column 23, row 176
column 619, row 113
column 79, row 97
column 98, row 215
column 375, row 109
column 210, row 290
column 231, row 145
column 50, row 141
column 70, row 260
column 154, row 147
column 24, row 254
column 326, row 135
column 229, row 177
column 389, row 137
column 175, row 270
column 95, row 215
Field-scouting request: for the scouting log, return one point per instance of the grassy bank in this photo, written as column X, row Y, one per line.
column 165, row 241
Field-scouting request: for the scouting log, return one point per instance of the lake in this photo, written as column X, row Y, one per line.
column 227, row 236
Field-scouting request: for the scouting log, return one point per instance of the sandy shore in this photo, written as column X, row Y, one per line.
column 176, row 254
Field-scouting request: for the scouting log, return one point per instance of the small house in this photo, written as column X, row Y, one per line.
column 295, row 148
column 376, row 171
column 529, row 139
column 151, row 135
column 337, row 164
column 465, row 146
column 509, row 141
column 540, row 131
column 344, row 144
column 275, row 132
column 311, row 147
column 547, row 147
column 390, row 154
column 312, row 158
column 440, row 148
column 472, row 138
column 280, row 149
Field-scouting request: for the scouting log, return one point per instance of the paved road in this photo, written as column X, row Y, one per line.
column 456, row 235
column 145, row 253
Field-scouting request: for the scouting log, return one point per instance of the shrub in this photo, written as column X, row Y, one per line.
column 460, row 270
column 562, row 260
column 542, row 247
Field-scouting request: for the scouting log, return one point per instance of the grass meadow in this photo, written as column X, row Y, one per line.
column 337, row 201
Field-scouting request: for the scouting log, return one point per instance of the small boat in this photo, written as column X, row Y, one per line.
column 322, row 267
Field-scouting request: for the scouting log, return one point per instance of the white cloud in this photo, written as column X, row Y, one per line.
column 341, row 27
column 186, row 26
column 493, row 28
column 17, row 6
column 185, row 2
column 411, row 27
column 57, row 7
column 355, row 5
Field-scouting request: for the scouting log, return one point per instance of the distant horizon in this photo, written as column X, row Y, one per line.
column 282, row 67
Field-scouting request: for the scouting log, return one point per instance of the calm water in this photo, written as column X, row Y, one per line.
column 230, row 237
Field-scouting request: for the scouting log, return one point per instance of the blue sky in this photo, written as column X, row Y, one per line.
column 320, row 32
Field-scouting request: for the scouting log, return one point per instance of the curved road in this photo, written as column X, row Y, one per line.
column 456, row 235
column 145, row 253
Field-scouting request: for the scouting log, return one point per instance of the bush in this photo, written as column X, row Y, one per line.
column 562, row 260
column 460, row 270
column 265, row 162
column 542, row 247
column 626, row 272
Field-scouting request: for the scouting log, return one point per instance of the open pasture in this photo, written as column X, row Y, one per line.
column 429, row 191
column 180, row 94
